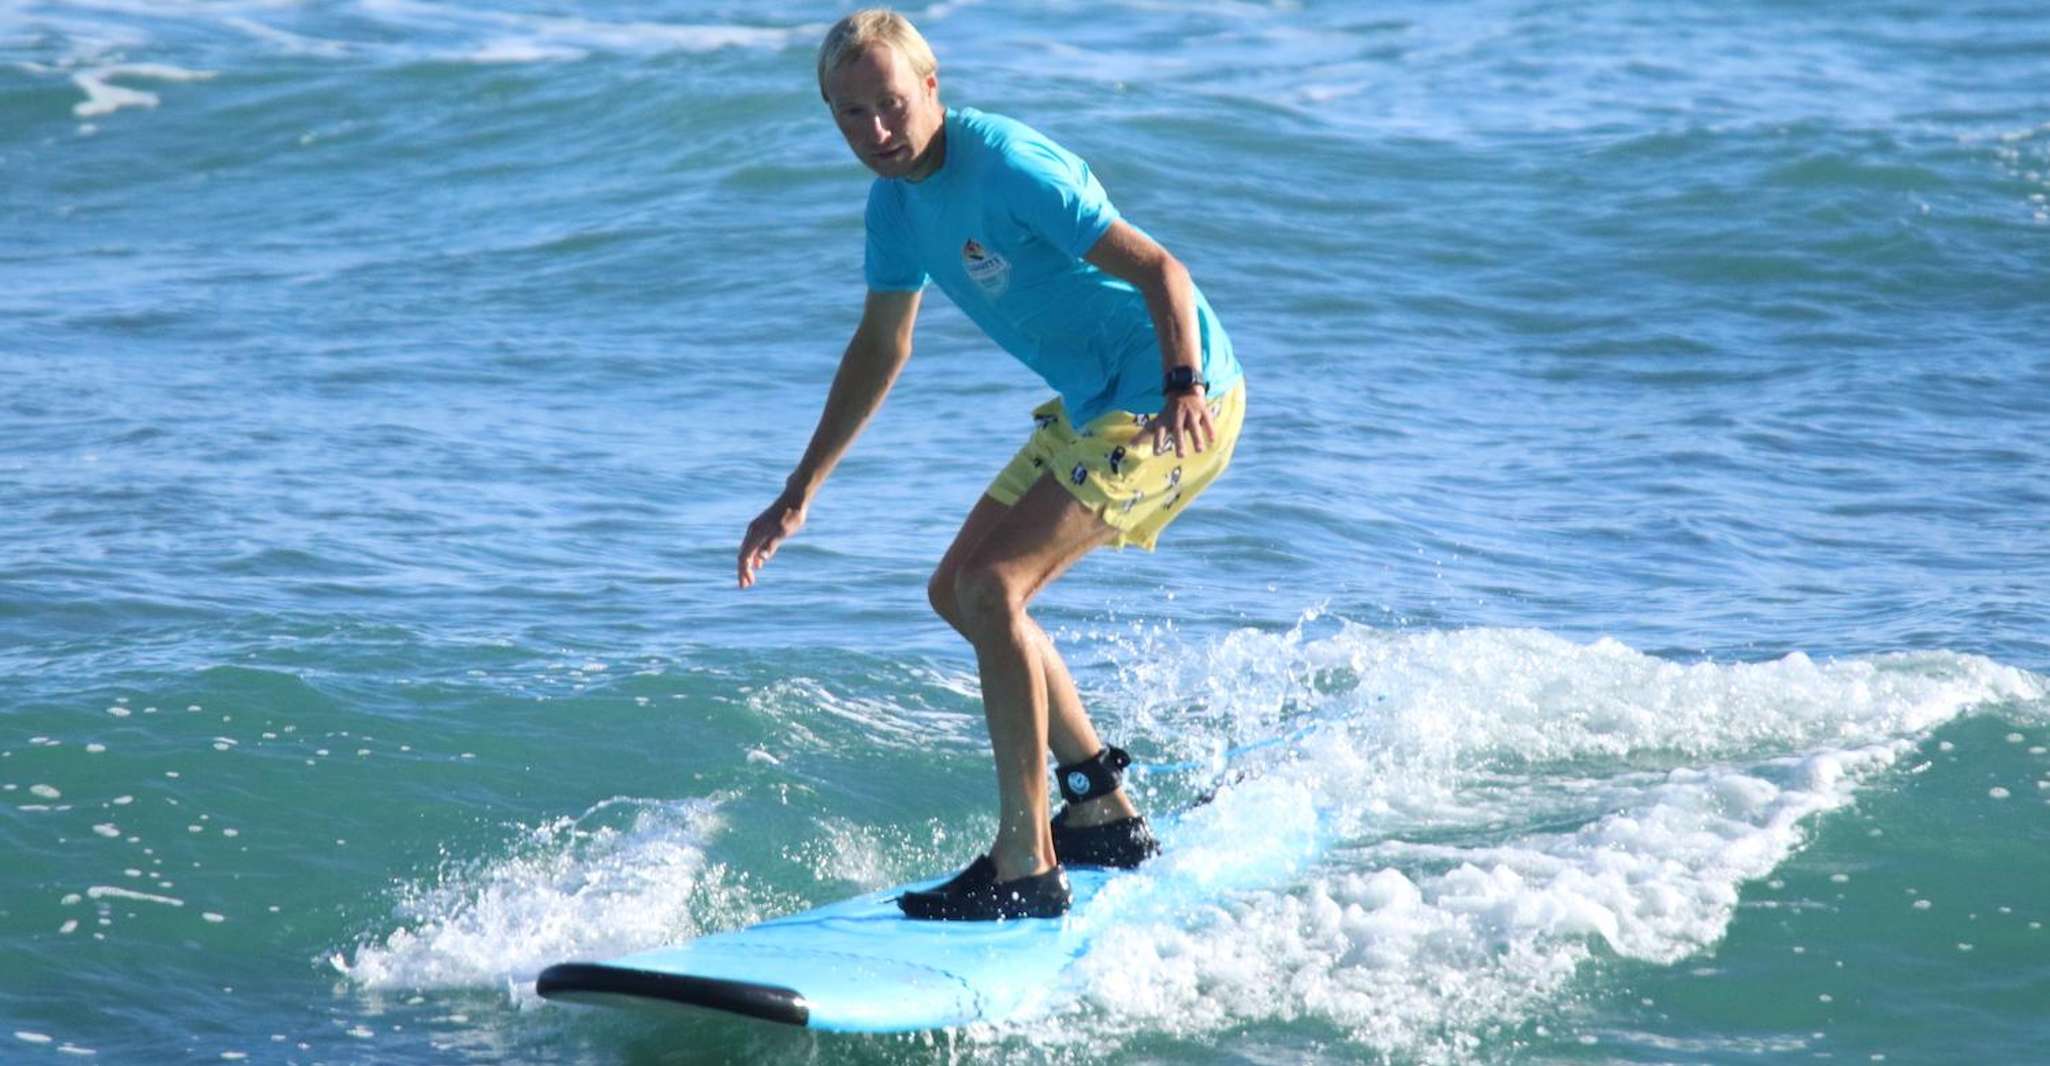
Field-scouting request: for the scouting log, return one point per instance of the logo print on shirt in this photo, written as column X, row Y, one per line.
column 986, row 268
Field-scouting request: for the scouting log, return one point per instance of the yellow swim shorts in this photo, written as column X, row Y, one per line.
column 1112, row 468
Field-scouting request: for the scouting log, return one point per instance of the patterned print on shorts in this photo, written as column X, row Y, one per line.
column 1134, row 489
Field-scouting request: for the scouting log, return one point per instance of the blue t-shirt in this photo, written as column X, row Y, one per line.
column 1002, row 227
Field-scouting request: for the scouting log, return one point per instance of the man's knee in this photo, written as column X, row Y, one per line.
column 985, row 600
column 939, row 591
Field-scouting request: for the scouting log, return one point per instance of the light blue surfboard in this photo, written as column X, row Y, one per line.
column 854, row 966
column 860, row 966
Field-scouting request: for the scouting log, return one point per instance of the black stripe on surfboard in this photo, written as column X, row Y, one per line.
column 770, row 1003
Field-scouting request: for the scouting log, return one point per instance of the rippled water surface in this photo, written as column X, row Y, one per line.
column 1642, row 507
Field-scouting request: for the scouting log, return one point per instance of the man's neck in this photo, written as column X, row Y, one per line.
column 935, row 156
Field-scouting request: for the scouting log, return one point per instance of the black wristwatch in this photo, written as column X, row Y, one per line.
column 1183, row 379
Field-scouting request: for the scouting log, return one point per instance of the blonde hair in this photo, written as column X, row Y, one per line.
column 875, row 25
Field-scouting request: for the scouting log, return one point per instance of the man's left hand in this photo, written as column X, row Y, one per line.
column 1185, row 421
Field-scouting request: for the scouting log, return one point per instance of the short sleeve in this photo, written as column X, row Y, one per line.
column 1054, row 195
column 890, row 263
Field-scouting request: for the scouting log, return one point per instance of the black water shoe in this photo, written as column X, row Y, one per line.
column 1123, row 844
column 978, row 874
column 1038, row 896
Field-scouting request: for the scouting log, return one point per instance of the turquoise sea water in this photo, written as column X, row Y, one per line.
column 1645, row 488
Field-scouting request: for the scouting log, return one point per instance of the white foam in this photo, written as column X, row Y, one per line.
column 847, row 851
column 103, row 97
column 813, row 715
column 1493, row 809
column 518, row 37
column 628, row 874
column 114, row 892
column 576, row 36
column 286, row 41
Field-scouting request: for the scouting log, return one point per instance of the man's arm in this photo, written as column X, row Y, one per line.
column 881, row 345
column 1124, row 252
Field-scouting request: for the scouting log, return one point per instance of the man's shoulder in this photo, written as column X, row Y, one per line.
column 1010, row 147
column 992, row 128
column 1002, row 132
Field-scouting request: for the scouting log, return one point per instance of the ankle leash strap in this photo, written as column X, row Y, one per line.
column 1094, row 777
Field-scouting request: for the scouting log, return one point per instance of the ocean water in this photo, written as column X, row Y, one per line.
column 1643, row 504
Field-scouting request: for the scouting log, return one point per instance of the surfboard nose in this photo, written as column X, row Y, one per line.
column 600, row 984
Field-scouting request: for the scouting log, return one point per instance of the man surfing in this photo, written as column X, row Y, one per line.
column 1021, row 236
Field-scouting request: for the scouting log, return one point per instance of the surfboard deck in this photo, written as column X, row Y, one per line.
column 855, row 966
column 860, row 966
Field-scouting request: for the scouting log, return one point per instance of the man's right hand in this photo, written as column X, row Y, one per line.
column 767, row 533
column 878, row 350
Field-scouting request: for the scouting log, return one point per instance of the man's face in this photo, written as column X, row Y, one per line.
column 888, row 114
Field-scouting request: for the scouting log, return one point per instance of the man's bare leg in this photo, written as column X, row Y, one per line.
column 1070, row 734
column 1027, row 545
column 1073, row 738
